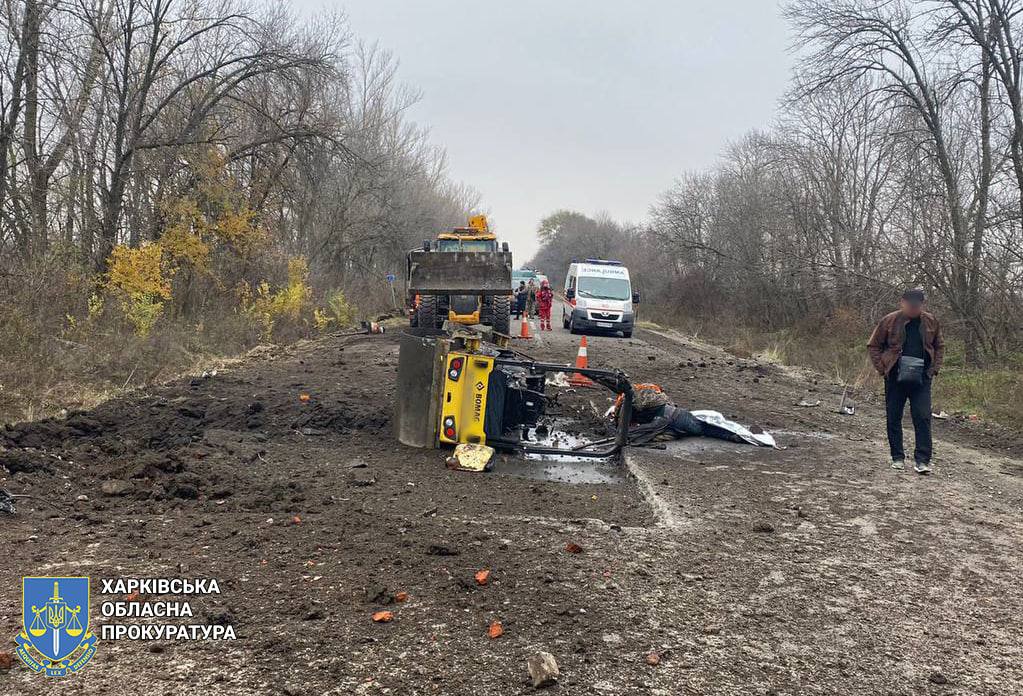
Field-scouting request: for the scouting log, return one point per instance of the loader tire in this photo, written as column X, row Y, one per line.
column 487, row 312
column 428, row 314
column 502, row 315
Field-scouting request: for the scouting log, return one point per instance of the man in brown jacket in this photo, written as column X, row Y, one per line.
column 906, row 349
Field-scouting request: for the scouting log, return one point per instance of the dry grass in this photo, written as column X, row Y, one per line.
column 836, row 346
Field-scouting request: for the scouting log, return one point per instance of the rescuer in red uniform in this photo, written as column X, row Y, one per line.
column 544, row 302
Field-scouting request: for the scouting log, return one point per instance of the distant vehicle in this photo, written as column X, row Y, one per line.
column 524, row 275
column 600, row 298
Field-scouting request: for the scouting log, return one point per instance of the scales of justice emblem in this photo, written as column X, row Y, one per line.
column 56, row 637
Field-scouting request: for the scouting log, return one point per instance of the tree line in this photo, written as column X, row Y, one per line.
column 896, row 159
column 225, row 137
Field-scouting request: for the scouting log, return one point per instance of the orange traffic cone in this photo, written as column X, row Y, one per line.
column 524, row 333
column 582, row 361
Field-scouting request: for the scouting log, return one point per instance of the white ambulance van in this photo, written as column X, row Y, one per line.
column 600, row 298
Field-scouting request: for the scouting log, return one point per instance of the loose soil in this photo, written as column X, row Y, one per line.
column 809, row 569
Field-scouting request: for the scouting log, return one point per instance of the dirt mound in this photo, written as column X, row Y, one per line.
column 182, row 440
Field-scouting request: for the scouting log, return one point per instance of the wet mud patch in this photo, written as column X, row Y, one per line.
column 576, row 471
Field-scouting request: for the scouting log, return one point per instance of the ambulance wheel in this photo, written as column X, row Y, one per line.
column 564, row 321
column 502, row 315
column 571, row 327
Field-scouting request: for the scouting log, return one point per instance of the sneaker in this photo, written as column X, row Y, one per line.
column 898, row 464
column 922, row 468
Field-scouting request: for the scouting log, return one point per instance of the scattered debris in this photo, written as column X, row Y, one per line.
column 809, row 403
column 441, row 550
column 763, row 527
column 653, row 659
column 366, row 328
column 937, row 678
column 847, row 407
column 116, row 487
column 6, row 660
column 496, row 630
column 296, row 520
column 361, row 478
column 471, row 457
column 7, row 502
column 940, row 415
column 573, row 547
column 304, row 398
column 383, row 616
column 482, row 577
column 401, row 597
column 543, row 669
column 558, row 379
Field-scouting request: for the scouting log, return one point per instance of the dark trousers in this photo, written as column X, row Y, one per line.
column 919, row 397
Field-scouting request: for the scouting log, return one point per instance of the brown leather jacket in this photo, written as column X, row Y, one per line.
column 885, row 345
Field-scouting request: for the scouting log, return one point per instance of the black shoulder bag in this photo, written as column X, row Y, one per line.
column 911, row 371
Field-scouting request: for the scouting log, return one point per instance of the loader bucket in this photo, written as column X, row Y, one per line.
column 460, row 273
column 420, row 376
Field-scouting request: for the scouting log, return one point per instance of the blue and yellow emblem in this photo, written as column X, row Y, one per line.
column 56, row 636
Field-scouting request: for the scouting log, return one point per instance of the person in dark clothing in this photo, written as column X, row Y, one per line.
column 907, row 350
column 521, row 295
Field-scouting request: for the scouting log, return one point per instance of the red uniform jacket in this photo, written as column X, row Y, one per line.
column 545, row 298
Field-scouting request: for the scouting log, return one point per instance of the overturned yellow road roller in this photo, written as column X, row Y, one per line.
column 463, row 387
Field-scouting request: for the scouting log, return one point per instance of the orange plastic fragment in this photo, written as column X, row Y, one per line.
column 383, row 616
column 495, row 630
column 401, row 597
column 303, row 398
column 482, row 576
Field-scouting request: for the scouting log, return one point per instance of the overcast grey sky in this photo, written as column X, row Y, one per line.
column 592, row 105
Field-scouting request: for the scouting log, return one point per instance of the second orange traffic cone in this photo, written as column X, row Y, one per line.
column 524, row 333
column 582, row 361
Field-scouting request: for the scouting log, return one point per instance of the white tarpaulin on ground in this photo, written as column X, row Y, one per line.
column 714, row 418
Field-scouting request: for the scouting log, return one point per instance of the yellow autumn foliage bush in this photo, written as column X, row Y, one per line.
column 140, row 280
column 337, row 312
column 213, row 213
column 291, row 303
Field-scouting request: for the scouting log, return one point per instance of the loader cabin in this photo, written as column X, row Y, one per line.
column 600, row 298
column 476, row 237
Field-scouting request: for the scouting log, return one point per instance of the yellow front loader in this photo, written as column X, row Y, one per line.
column 462, row 277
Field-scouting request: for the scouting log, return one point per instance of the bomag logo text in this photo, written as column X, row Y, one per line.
column 477, row 407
